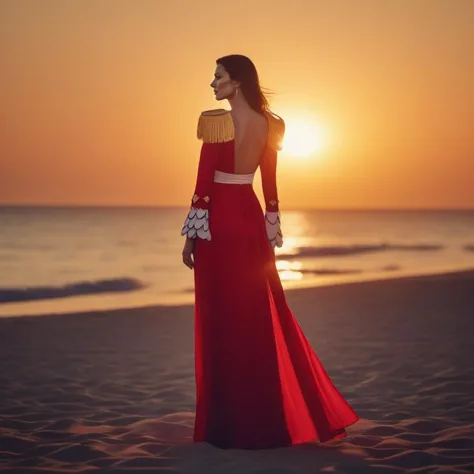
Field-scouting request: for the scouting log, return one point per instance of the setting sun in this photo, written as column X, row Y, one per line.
column 302, row 138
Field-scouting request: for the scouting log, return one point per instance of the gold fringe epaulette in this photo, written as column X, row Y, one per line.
column 276, row 131
column 215, row 126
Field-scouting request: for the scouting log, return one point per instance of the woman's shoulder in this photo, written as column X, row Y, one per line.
column 276, row 130
column 215, row 126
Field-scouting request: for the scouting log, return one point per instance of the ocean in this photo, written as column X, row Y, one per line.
column 66, row 259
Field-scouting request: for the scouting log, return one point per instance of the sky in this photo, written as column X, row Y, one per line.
column 99, row 100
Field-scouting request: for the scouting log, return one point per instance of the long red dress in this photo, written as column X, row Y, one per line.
column 259, row 384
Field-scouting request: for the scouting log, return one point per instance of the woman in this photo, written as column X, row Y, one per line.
column 259, row 384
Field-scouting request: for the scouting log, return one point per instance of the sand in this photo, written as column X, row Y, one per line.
column 114, row 391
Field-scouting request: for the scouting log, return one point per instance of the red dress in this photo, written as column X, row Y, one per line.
column 259, row 384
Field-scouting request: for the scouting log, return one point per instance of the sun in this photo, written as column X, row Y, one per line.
column 303, row 138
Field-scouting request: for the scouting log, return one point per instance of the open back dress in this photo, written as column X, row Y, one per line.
column 259, row 383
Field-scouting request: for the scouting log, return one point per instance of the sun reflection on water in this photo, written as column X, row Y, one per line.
column 288, row 271
column 288, row 275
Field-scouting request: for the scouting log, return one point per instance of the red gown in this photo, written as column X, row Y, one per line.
column 259, row 384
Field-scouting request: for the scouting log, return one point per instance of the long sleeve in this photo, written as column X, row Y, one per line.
column 268, row 167
column 196, row 224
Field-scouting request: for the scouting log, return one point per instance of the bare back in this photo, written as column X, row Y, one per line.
column 251, row 131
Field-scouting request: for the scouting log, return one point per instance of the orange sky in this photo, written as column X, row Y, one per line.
column 100, row 99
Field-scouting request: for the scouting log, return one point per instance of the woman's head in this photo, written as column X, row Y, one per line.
column 238, row 73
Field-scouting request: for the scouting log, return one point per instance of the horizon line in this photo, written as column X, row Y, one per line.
column 157, row 206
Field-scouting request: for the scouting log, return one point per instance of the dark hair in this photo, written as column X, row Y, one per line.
column 242, row 69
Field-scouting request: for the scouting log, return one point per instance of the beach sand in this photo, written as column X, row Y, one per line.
column 114, row 391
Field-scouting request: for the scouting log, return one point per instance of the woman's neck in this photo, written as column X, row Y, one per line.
column 238, row 104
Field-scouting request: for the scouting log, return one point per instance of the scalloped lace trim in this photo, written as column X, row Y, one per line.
column 196, row 224
column 273, row 226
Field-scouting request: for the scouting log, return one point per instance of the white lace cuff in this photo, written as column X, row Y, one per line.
column 197, row 224
column 273, row 226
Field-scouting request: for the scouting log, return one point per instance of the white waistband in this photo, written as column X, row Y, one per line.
column 231, row 178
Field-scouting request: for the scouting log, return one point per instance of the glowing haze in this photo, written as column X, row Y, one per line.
column 99, row 100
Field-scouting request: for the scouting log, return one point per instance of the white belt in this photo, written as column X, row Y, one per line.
column 231, row 178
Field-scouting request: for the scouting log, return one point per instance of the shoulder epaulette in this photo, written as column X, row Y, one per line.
column 215, row 126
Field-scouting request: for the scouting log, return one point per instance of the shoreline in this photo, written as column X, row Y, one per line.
column 344, row 281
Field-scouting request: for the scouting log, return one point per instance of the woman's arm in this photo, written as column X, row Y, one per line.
column 268, row 167
column 196, row 224
column 214, row 127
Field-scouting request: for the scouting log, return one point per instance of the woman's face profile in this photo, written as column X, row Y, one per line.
column 223, row 85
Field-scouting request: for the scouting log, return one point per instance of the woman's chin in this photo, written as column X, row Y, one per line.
column 222, row 97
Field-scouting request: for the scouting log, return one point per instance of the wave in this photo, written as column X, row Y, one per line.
column 339, row 271
column 114, row 285
column 342, row 250
column 328, row 271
